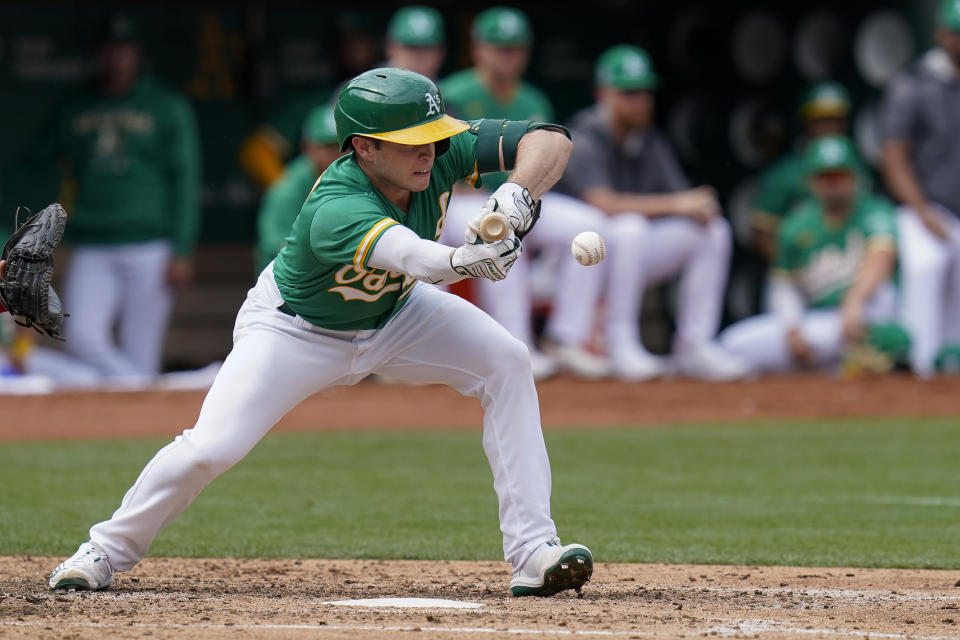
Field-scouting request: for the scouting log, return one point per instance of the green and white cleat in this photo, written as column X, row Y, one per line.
column 553, row 568
column 88, row 568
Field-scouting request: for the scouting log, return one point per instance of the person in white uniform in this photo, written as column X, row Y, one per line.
column 348, row 296
column 921, row 164
column 659, row 226
column 831, row 284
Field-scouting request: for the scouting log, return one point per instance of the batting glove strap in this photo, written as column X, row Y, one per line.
column 491, row 261
column 517, row 204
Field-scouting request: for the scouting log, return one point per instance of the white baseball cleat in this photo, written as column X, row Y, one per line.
column 710, row 362
column 553, row 568
column 632, row 364
column 577, row 361
column 88, row 568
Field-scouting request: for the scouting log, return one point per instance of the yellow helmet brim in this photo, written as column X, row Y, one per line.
column 439, row 129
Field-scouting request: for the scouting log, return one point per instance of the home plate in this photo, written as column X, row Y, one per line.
column 408, row 603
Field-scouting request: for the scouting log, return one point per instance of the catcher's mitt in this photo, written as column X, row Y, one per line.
column 25, row 288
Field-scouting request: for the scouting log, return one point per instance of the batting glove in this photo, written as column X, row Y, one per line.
column 486, row 260
column 516, row 203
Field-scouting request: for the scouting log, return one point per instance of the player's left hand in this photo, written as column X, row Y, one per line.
column 515, row 202
column 852, row 314
column 179, row 272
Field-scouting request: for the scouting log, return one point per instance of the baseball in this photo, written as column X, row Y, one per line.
column 588, row 248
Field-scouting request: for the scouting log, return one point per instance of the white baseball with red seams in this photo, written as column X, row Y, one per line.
column 588, row 248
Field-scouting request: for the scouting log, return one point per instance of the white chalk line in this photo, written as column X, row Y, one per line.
column 917, row 501
column 331, row 627
column 772, row 626
column 849, row 594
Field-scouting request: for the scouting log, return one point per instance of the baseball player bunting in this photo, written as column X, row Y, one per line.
column 346, row 298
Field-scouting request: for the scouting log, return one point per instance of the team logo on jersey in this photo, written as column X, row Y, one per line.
column 433, row 103
column 366, row 286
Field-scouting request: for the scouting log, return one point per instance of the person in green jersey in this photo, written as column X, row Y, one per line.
column 350, row 295
column 824, row 111
column 282, row 201
column 415, row 41
column 501, row 39
column 131, row 150
column 833, row 276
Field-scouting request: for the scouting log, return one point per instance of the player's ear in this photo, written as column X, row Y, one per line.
column 363, row 147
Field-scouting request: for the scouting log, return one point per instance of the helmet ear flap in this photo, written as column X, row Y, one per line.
column 440, row 147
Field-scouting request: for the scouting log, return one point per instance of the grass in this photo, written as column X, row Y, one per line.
column 842, row 493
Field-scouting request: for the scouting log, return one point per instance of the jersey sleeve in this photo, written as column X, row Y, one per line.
column 880, row 223
column 345, row 230
column 898, row 118
column 184, row 172
column 785, row 261
column 772, row 200
column 279, row 209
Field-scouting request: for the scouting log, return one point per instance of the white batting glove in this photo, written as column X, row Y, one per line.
column 486, row 260
column 515, row 202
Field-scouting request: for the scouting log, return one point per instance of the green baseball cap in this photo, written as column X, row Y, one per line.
column 396, row 105
column 831, row 153
column 320, row 127
column 416, row 26
column 949, row 15
column 825, row 100
column 627, row 68
column 502, row 27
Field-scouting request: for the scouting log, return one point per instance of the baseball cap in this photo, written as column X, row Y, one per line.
column 416, row 26
column 949, row 14
column 626, row 67
column 320, row 126
column 825, row 100
column 502, row 27
column 831, row 153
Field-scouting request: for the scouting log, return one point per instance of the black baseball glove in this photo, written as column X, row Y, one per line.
column 25, row 288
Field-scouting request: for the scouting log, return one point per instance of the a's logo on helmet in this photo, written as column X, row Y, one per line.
column 433, row 103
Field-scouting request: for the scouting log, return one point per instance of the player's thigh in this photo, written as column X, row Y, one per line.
column 92, row 290
column 761, row 340
column 561, row 218
column 921, row 253
column 441, row 338
column 671, row 243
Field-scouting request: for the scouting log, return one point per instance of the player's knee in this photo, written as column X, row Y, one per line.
column 207, row 461
column 929, row 263
column 507, row 356
column 628, row 227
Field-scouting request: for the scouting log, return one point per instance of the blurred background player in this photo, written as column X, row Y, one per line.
column 494, row 88
column 415, row 41
column 282, row 201
column 824, row 111
column 921, row 164
column 659, row 226
column 832, row 276
column 131, row 150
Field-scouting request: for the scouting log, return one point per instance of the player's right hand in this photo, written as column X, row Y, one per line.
column 699, row 204
column 486, row 260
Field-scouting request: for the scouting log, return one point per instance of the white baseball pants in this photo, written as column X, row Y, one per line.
column 509, row 301
column 645, row 252
column 122, row 287
column 930, row 279
column 762, row 340
column 278, row 360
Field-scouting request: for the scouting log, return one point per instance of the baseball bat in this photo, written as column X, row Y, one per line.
column 492, row 227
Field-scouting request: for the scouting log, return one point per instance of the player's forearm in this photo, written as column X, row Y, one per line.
column 877, row 268
column 185, row 186
column 900, row 176
column 541, row 158
column 401, row 250
column 652, row 205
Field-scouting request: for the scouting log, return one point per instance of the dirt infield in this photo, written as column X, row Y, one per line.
column 564, row 403
column 175, row 598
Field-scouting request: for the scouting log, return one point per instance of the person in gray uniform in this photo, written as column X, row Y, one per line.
column 921, row 164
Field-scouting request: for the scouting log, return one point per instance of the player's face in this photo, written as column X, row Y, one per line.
column 821, row 127
column 119, row 62
column 424, row 60
column 403, row 166
column 321, row 155
column 835, row 190
column 949, row 41
column 631, row 110
column 505, row 63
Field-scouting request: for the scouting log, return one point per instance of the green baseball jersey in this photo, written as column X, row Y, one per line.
column 136, row 163
column 280, row 206
column 467, row 98
column 823, row 257
column 785, row 185
column 322, row 271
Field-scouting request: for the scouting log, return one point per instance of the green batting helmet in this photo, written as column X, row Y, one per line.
column 831, row 153
column 320, row 127
column 627, row 68
column 825, row 100
column 416, row 26
column 396, row 105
